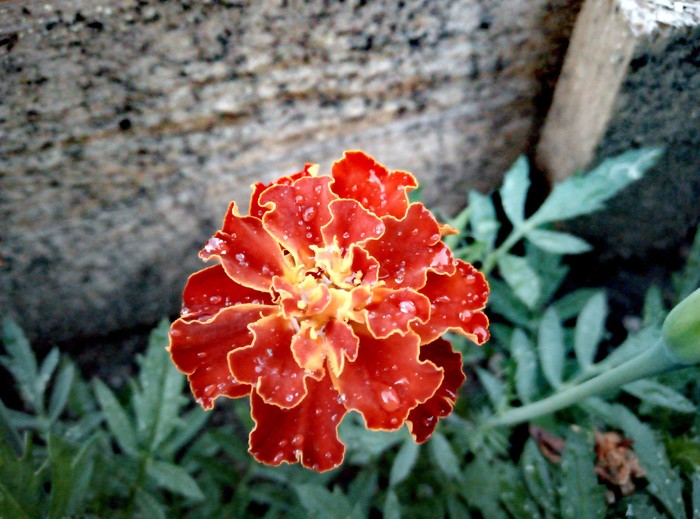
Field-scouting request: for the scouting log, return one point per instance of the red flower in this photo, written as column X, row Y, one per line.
column 330, row 296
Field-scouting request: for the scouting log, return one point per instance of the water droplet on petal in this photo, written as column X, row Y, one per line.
column 407, row 307
column 389, row 399
column 309, row 214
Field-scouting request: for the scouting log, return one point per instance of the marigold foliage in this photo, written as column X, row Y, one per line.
column 330, row 296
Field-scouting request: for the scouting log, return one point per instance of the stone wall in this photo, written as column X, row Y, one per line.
column 127, row 127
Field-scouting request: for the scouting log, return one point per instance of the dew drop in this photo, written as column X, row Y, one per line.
column 201, row 354
column 215, row 300
column 309, row 214
column 389, row 399
column 407, row 307
column 298, row 440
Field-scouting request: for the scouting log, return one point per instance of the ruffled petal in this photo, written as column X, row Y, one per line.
column 342, row 343
column 308, row 297
column 456, row 301
column 350, row 223
column 387, row 380
column 200, row 348
column 256, row 209
column 297, row 213
column 269, row 365
column 423, row 419
column 409, row 247
column 359, row 177
column 211, row 290
column 392, row 310
column 247, row 252
column 307, row 433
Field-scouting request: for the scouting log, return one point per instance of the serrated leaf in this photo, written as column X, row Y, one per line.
column 590, row 327
column 538, row 478
column 514, row 495
column 444, row 457
column 149, row 506
column 481, row 487
column 494, row 387
column 581, row 495
column 174, row 479
column 61, row 390
column 581, row 195
column 521, row 278
column 482, row 219
column 158, row 400
column 20, row 362
column 664, row 482
column 550, row 271
column 192, row 423
column 514, row 191
column 525, row 366
column 118, row 421
column 502, row 302
column 20, row 482
column 558, row 242
column 572, row 303
column 392, row 506
column 48, row 366
column 403, row 463
column 657, row 394
column 550, row 345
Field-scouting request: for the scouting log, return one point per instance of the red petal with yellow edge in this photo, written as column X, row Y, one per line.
column 308, row 351
column 247, row 252
column 255, row 208
column 268, row 363
column 307, row 433
column 211, row 289
column 342, row 343
column 350, row 223
column 295, row 299
column 387, row 380
column 200, row 349
column 299, row 212
column 424, row 417
column 365, row 267
column 409, row 247
column 393, row 310
column 359, row 177
column 456, row 301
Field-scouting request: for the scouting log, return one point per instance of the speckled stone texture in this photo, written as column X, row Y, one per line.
column 127, row 127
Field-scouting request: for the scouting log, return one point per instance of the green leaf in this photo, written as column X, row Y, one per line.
column 581, row 495
column 149, row 506
column 174, row 479
column 550, row 345
column 459, row 222
column 525, row 367
column 572, row 303
column 392, row 506
column 456, row 509
column 20, row 482
column 558, row 242
column 654, row 309
column 159, row 398
column 503, row 302
column 664, row 482
column 632, row 346
column 494, row 388
column 192, row 424
column 364, row 445
column 581, row 195
column 444, row 457
column 514, row 494
column 657, row 394
column 20, row 362
column 684, row 452
column 45, row 373
column 695, row 479
column 521, row 277
column 322, row 504
column 404, row 462
column 688, row 279
column 514, row 191
column 590, row 327
column 61, row 390
column 484, row 224
column 60, row 459
column 8, row 431
column 118, row 421
column 481, row 487
column 363, row 488
column 538, row 478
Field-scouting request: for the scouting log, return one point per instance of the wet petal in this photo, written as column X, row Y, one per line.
column 299, row 212
column 247, row 252
column 350, row 223
column 256, row 209
column 200, row 348
column 268, row 363
column 456, row 303
column 424, row 417
column 409, row 247
column 307, row 297
column 307, row 433
column 392, row 310
column 211, row 289
column 359, row 177
column 387, row 380
column 342, row 343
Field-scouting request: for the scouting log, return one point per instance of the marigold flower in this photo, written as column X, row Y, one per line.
column 330, row 296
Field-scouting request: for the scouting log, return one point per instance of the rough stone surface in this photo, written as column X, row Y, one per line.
column 127, row 127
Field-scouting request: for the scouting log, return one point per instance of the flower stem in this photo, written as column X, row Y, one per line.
column 653, row 361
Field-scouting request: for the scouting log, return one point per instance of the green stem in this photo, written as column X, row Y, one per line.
column 516, row 235
column 653, row 361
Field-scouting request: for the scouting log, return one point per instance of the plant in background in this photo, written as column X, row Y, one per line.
column 633, row 450
column 331, row 296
